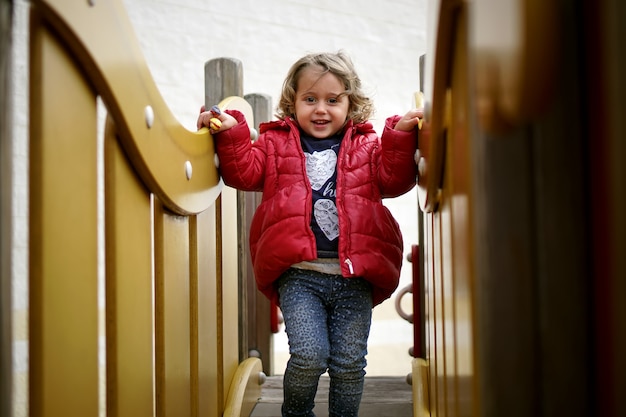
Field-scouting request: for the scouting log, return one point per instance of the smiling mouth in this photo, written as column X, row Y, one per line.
column 321, row 122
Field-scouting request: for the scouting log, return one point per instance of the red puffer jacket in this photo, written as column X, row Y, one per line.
column 368, row 169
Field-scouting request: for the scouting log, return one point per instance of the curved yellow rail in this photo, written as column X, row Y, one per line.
column 245, row 388
column 174, row 163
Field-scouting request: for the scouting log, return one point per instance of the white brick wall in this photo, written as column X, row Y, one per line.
column 385, row 40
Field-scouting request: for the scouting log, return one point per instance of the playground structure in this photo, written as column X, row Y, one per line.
column 517, row 270
column 169, row 233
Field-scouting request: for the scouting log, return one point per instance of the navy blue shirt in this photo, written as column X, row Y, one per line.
column 321, row 168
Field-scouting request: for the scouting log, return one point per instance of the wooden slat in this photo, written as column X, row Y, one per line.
column 6, row 215
column 63, row 235
column 439, row 318
column 222, row 384
column 419, row 383
column 461, row 251
column 209, row 362
column 193, row 314
column 129, row 291
column 431, row 302
column 448, row 305
column 230, row 286
column 173, row 360
column 605, row 170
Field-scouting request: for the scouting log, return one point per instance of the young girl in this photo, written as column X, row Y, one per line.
column 323, row 245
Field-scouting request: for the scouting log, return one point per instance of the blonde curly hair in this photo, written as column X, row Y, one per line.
column 361, row 107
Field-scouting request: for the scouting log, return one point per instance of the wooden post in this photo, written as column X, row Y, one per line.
column 255, row 310
column 224, row 78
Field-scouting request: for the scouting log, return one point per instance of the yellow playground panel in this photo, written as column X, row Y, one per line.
column 170, row 248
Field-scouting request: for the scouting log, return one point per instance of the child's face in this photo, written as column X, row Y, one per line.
column 321, row 103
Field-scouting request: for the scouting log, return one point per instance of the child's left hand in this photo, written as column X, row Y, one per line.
column 410, row 120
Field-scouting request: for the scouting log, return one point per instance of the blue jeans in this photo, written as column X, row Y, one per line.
column 327, row 320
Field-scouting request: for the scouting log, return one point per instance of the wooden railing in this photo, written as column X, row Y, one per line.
column 167, row 241
column 502, row 116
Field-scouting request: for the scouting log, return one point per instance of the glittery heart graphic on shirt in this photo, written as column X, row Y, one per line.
column 320, row 166
column 325, row 213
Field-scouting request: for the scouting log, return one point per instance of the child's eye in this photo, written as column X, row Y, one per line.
column 310, row 99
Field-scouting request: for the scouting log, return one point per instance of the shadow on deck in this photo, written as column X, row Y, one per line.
column 382, row 397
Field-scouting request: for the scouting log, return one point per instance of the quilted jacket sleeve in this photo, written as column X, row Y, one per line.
column 397, row 170
column 241, row 162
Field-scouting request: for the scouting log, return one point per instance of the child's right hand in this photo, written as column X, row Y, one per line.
column 204, row 120
column 410, row 120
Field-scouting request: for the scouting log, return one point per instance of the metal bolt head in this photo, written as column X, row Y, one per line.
column 188, row 170
column 149, row 116
column 262, row 378
column 422, row 167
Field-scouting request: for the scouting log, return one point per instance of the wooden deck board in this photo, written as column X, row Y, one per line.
column 382, row 397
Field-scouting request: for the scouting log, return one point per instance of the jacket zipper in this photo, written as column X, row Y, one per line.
column 349, row 263
column 307, row 183
column 340, row 212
